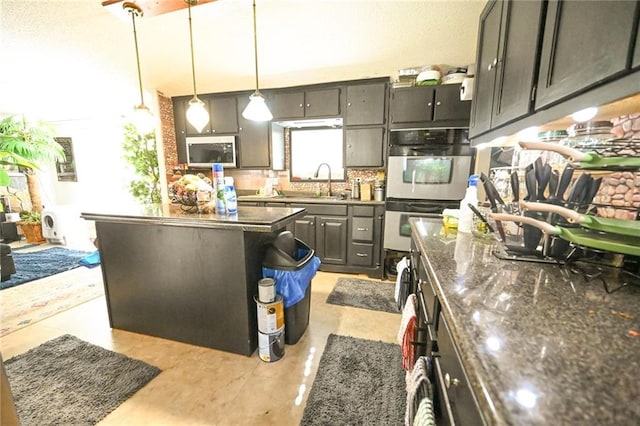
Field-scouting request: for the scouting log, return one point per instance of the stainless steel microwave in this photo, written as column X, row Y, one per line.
column 203, row 151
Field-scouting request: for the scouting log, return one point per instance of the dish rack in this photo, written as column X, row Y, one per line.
column 611, row 190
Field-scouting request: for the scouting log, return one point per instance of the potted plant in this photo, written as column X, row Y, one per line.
column 24, row 144
column 31, row 225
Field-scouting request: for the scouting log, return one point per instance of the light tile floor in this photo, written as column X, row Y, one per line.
column 202, row 386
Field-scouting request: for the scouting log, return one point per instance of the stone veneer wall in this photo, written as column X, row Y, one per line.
column 621, row 190
column 168, row 132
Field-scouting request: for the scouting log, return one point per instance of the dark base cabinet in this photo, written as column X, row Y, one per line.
column 182, row 283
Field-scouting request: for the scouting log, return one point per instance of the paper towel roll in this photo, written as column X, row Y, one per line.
column 466, row 89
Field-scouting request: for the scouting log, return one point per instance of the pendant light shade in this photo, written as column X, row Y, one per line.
column 142, row 118
column 197, row 114
column 257, row 110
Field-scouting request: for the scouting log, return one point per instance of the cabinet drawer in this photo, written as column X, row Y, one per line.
column 453, row 381
column 361, row 254
column 367, row 211
column 323, row 209
column 362, row 229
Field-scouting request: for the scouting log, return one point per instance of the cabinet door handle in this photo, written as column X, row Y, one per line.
column 308, row 105
column 348, row 103
column 493, row 64
column 302, row 105
column 362, row 254
column 322, row 224
column 311, row 223
column 429, row 104
column 448, row 381
column 438, row 103
column 362, row 229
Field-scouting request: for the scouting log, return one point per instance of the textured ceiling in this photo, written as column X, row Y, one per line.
column 78, row 50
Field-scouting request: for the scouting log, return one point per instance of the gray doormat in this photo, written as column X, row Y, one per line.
column 360, row 382
column 367, row 294
column 69, row 381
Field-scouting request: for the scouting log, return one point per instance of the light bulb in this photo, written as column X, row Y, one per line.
column 584, row 114
column 197, row 114
column 143, row 119
column 257, row 110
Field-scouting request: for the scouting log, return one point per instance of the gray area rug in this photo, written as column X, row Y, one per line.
column 67, row 381
column 359, row 382
column 367, row 294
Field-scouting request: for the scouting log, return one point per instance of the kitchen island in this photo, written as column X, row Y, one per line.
column 188, row 277
column 524, row 343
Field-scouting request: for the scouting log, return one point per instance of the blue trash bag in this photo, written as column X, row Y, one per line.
column 92, row 260
column 292, row 285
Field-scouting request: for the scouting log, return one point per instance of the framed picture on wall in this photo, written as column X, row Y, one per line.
column 66, row 170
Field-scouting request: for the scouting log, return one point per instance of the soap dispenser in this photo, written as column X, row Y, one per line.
column 465, row 219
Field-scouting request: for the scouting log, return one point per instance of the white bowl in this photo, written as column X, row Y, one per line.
column 428, row 75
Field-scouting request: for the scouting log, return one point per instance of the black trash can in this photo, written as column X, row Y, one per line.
column 292, row 264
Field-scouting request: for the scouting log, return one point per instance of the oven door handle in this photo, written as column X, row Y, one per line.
column 413, row 180
column 424, row 208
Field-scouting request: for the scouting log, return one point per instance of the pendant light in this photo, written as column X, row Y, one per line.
column 257, row 110
column 197, row 114
column 142, row 117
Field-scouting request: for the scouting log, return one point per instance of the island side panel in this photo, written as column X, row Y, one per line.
column 193, row 285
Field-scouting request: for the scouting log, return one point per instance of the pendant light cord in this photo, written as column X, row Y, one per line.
column 193, row 65
column 255, row 43
column 133, row 13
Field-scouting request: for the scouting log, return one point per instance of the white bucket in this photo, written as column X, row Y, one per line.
column 271, row 346
column 270, row 315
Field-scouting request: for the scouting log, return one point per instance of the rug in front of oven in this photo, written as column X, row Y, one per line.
column 358, row 382
column 366, row 294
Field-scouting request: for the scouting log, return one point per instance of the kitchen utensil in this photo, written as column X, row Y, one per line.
column 531, row 234
column 554, row 178
column 577, row 191
column 543, row 180
column 493, row 196
column 615, row 243
column 515, row 186
column 565, row 180
column 481, row 217
column 491, row 188
column 616, row 226
column 586, row 160
column 590, row 193
column 530, row 184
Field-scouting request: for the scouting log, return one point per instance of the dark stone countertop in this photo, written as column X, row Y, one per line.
column 299, row 199
column 540, row 344
column 250, row 219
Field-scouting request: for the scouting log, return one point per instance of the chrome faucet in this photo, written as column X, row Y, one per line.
column 328, row 177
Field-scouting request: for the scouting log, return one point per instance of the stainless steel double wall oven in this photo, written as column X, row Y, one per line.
column 427, row 171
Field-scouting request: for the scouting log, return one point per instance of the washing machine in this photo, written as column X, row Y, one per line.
column 53, row 223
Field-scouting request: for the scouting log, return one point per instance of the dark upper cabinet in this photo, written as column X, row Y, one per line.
column 365, row 147
column 365, row 104
column 179, row 123
column 223, row 117
column 635, row 63
column 223, row 112
column 585, row 43
column 305, row 104
column 422, row 105
column 448, row 105
column 506, row 63
column 253, row 139
column 411, row 104
column 287, row 105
